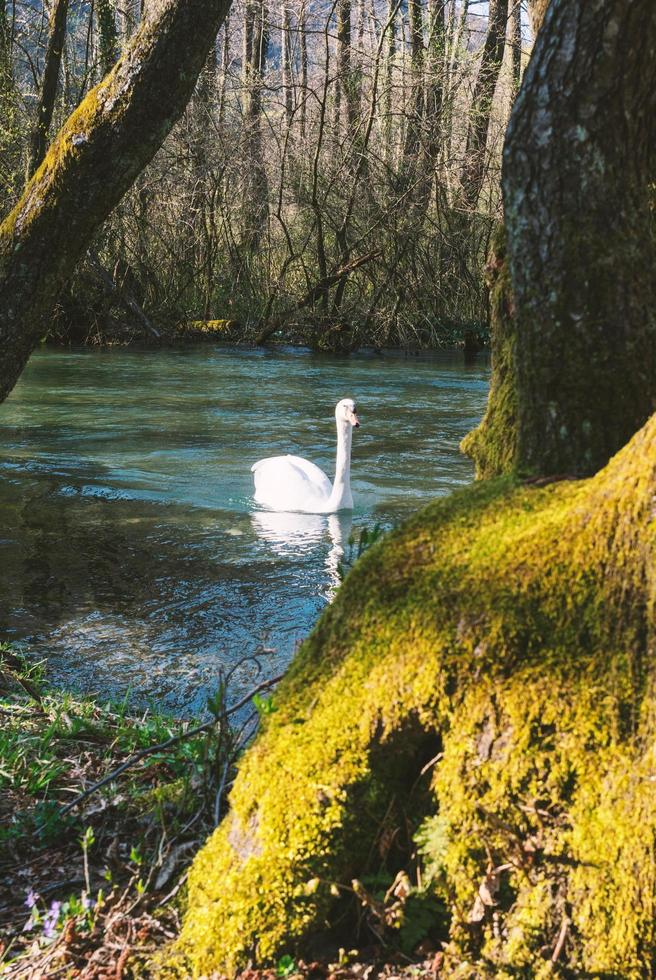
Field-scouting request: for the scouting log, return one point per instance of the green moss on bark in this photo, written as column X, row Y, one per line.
column 493, row 444
column 515, row 624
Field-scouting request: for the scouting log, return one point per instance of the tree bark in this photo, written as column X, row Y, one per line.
column 516, row 42
column 104, row 145
column 586, row 357
column 416, row 101
column 347, row 80
column 581, row 259
column 9, row 126
column 48, row 94
column 537, row 9
column 256, row 46
column 473, row 172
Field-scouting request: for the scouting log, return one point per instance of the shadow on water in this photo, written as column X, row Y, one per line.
column 131, row 554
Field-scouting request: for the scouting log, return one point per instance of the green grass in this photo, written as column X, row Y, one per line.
column 123, row 846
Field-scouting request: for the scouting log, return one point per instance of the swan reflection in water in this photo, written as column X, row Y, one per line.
column 290, row 534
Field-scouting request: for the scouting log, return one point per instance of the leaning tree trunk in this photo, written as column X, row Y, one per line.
column 581, row 375
column 48, row 93
column 102, row 148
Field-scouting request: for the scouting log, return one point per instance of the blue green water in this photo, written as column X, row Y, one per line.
column 132, row 555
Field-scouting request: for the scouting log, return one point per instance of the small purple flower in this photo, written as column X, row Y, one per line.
column 50, row 920
column 29, row 925
column 87, row 903
column 31, row 899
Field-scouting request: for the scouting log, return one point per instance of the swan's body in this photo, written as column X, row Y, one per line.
column 290, row 483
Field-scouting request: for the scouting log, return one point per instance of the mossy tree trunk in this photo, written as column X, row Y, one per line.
column 95, row 158
column 581, row 292
column 498, row 647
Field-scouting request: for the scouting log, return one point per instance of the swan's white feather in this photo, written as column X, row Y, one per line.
column 290, row 483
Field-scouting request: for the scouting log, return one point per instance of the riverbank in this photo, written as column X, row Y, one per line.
column 325, row 335
column 102, row 812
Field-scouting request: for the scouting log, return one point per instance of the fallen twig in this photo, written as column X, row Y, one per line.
column 161, row 746
column 562, row 935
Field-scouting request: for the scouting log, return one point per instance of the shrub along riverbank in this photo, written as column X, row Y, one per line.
column 73, row 326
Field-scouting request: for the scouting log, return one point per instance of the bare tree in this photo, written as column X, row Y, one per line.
column 285, row 44
column 416, row 100
column 516, row 42
column 256, row 45
column 473, row 172
column 104, row 145
column 48, row 93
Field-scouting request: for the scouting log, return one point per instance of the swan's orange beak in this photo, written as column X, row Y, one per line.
column 353, row 419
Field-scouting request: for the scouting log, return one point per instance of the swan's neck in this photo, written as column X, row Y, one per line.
column 341, row 493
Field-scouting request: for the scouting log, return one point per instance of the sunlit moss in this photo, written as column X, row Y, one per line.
column 513, row 623
column 209, row 326
column 493, row 443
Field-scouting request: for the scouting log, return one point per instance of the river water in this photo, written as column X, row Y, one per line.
column 132, row 555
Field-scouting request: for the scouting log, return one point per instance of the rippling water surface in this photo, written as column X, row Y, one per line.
column 132, row 555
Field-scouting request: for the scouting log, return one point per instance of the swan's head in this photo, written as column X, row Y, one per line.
column 345, row 411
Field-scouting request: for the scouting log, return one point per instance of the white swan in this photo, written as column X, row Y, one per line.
column 289, row 483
